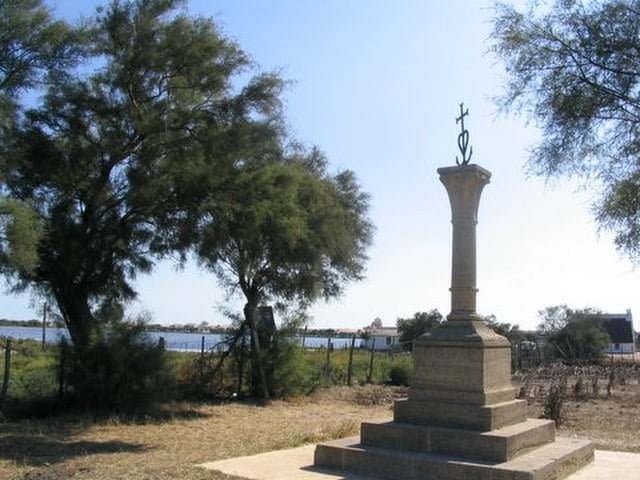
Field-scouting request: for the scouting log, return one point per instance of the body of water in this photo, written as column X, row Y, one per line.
column 178, row 341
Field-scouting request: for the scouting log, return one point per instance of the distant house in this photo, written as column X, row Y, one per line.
column 619, row 327
column 380, row 339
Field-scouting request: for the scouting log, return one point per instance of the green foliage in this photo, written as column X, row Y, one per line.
column 287, row 230
column 401, row 372
column 383, row 363
column 33, row 381
column 33, row 46
column 20, row 233
column 554, row 318
column 284, row 231
column 421, row 322
column 292, row 372
column 581, row 339
column 121, row 151
column 123, row 370
column 574, row 67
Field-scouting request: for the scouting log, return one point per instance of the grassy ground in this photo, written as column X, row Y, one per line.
column 75, row 447
column 170, row 444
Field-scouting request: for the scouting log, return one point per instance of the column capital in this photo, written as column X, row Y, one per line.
column 464, row 184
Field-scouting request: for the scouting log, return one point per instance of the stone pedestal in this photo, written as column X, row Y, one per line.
column 461, row 420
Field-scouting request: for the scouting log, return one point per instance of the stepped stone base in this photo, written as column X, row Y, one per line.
column 498, row 445
column 552, row 461
column 460, row 415
column 461, row 420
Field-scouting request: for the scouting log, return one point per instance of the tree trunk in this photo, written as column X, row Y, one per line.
column 77, row 315
column 250, row 314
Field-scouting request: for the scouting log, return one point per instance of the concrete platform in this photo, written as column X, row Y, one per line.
column 297, row 464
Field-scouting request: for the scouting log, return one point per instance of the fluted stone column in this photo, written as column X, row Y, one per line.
column 463, row 369
column 464, row 185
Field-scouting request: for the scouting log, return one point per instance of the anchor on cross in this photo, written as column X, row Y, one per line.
column 463, row 138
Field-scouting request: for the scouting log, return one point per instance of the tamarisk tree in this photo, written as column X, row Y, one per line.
column 286, row 231
column 121, row 150
column 574, row 68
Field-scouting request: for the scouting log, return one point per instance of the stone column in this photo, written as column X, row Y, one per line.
column 464, row 185
column 463, row 368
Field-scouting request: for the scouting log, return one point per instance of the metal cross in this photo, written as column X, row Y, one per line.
column 463, row 138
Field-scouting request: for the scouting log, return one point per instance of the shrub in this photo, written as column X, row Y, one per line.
column 292, row 372
column 32, row 383
column 554, row 401
column 123, row 370
column 401, row 374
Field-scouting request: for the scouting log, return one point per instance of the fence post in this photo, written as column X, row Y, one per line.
column 373, row 347
column 7, row 372
column 240, row 356
column 327, row 365
column 202, row 361
column 44, row 325
column 353, row 342
column 63, row 354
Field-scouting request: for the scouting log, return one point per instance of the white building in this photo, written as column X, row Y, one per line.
column 381, row 339
column 619, row 327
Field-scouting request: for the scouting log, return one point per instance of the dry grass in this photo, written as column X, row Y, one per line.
column 612, row 423
column 75, row 448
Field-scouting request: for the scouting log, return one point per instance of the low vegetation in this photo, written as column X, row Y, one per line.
column 52, row 381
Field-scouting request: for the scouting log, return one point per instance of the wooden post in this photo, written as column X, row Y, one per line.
column 241, row 357
column 7, row 372
column 373, row 348
column 353, row 343
column 63, row 354
column 304, row 336
column 327, row 365
column 161, row 343
column 44, row 324
column 202, row 361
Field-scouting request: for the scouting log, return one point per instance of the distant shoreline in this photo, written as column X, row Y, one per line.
column 219, row 330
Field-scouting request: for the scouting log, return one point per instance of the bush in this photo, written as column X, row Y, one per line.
column 580, row 340
column 122, row 371
column 555, row 400
column 33, row 378
column 292, row 372
column 400, row 375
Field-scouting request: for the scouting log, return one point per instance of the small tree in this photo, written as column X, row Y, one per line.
column 554, row 318
column 581, row 339
column 285, row 230
column 421, row 322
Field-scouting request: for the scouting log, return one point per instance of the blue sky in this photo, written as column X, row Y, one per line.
column 376, row 85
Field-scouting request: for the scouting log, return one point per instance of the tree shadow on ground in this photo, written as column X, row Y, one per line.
column 38, row 450
column 51, row 441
